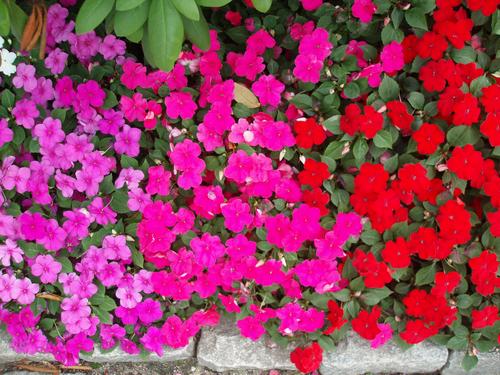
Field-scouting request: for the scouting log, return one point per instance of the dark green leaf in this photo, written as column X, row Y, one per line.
column 463, row 135
column 388, row 89
column 197, row 32
column 129, row 21
column 425, row 275
column 262, row 5
column 416, row 18
column 4, row 19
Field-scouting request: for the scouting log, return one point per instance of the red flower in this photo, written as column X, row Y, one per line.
column 446, row 282
column 317, row 198
column 335, row 317
column 448, row 99
column 487, row 7
column 397, row 253
column 484, row 270
column 314, row 173
column 349, row 121
column 234, row 18
column 465, row 162
column 469, row 72
column 309, row 133
column 354, row 121
column 433, row 76
column 398, row 113
column 365, row 324
column 491, row 98
column 372, row 179
column 423, row 242
column 376, row 274
column 490, row 128
column 371, row 122
column 466, row 111
column 415, row 302
column 431, row 45
column 454, row 222
column 428, row 138
column 494, row 219
column 485, row 317
column 307, row 359
column 409, row 50
column 416, row 331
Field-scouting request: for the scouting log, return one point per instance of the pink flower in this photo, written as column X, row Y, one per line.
column 249, row 65
column 207, row 249
column 149, row 311
column 32, row 225
column 363, row 10
column 260, row 41
column 49, row 132
column 158, row 181
column 251, row 328
column 90, row 93
column 17, row 178
column 24, row 291
column 236, row 214
column 115, row 248
column 6, row 134
column 101, row 212
column 311, row 5
column 322, row 275
column 25, row 112
column 308, row 68
column 383, row 336
column 183, row 153
column 10, row 251
column 372, row 74
column 134, row 75
column 392, row 57
column 153, row 340
column 25, row 77
column 56, row 61
column 180, row 104
column 330, row 247
column 129, row 347
column 127, row 141
column 54, row 236
column 316, row 44
column 133, row 108
column 112, row 47
column 269, row 273
column 306, row 220
column 298, row 31
column 138, row 199
column 268, row 89
column 177, row 333
column 46, row 268
column 347, row 225
column 110, row 274
column 129, row 297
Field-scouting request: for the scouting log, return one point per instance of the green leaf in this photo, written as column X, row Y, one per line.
column 388, row 89
column 119, row 202
column 17, row 19
column 104, row 316
column 197, row 32
column 8, row 98
column 370, row 237
column 187, row 8
column 495, row 23
column 416, row 100
column 334, row 150
column 416, row 18
column 463, row 135
column 262, row 5
column 66, row 264
column 383, row 139
column 469, row 362
column 464, row 55
column 374, row 296
column 478, row 84
column 360, row 149
column 213, row 3
column 122, row 5
column 352, row 90
column 302, row 101
column 425, row 275
column 165, row 33
column 110, row 100
column 129, row 21
column 91, row 14
column 4, row 19
column 326, row 343
column 238, row 34
column 136, row 36
column 137, row 258
column 464, row 301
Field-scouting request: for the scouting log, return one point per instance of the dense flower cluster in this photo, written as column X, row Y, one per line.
column 305, row 174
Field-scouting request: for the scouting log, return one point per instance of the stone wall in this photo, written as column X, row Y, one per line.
column 223, row 349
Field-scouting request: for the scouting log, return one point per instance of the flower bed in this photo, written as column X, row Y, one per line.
column 317, row 167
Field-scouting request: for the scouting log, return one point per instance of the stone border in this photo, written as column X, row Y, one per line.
column 222, row 348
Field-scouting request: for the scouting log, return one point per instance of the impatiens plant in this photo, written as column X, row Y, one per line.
column 320, row 168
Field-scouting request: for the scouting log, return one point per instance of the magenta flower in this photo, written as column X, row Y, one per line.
column 6, row 134
column 134, row 109
column 372, row 74
column 249, row 65
column 24, row 291
column 127, row 141
column 383, row 336
column 158, row 181
column 56, row 61
column 46, row 268
column 207, row 249
column 153, row 340
column 149, row 311
column 316, row 44
column 308, row 68
column 49, row 132
column 268, row 89
column 180, row 104
column 25, row 77
column 392, row 57
column 236, row 214
column 25, row 113
column 9, row 251
column 363, row 10
column 251, row 328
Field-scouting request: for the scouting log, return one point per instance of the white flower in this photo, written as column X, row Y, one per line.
column 6, row 63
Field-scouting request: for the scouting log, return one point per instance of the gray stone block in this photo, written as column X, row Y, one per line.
column 118, row 355
column 354, row 356
column 8, row 355
column 489, row 364
column 222, row 348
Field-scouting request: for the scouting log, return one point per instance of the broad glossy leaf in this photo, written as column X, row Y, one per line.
column 122, row 5
column 128, row 22
column 91, row 14
column 197, row 32
column 187, row 8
